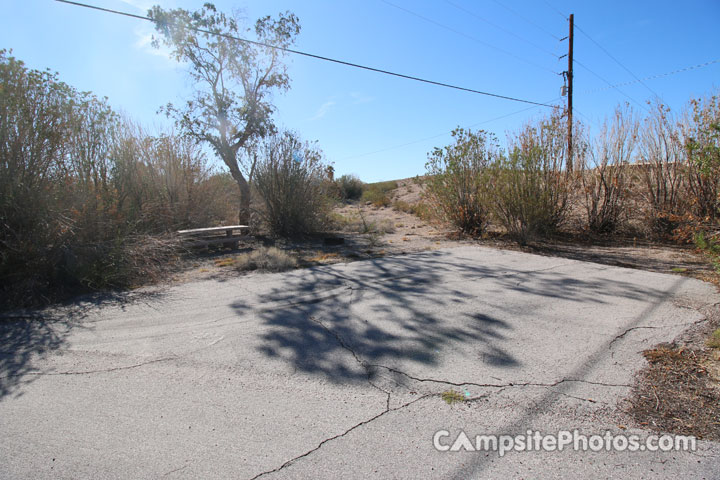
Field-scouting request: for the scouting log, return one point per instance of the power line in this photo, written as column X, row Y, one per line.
column 616, row 61
column 659, row 75
column 611, row 85
column 463, row 34
column 506, row 30
column 556, row 10
column 527, row 20
column 394, row 147
column 311, row 55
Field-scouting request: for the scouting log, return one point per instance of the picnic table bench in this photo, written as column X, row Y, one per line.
column 203, row 237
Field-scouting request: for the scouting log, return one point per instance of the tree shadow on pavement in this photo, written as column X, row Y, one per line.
column 27, row 336
column 409, row 312
column 21, row 340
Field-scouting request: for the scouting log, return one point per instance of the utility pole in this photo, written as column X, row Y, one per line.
column 570, row 95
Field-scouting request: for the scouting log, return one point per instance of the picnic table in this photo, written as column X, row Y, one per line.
column 228, row 235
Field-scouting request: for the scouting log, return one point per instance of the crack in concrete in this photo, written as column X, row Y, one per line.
column 340, row 435
column 496, row 385
column 89, row 372
column 368, row 369
column 654, row 327
column 175, row 470
column 360, row 362
column 368, row 366
column 622, row 335
column 577, row 398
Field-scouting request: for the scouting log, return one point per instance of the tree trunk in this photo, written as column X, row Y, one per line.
column 244, row 214
column 229, row 156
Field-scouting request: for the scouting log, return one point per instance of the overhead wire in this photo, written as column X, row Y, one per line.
column 555, row 9
column 659, row 75
column 469, row 37
column 311, row 55
column 414, row 142
column 616, row 61
column 506, row 30
column 527, row 20
column 610, row 84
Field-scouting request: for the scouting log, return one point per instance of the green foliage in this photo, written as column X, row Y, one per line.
column 350, row 187
column 707, row 243
column 456, row 185
column 530, row 188
column 378, row 193
column 702, row 144
column 290, row 179
column 451, row 396
column 710, row 245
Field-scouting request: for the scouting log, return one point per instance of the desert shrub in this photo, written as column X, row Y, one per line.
column 702, row 146
column 349, row 187
column 81, row 191
column 456, row 182
column 530, row 188
column 420, row 209
column 662, row 171
column 379, row 193
column 403, row 206
column 605, row 175
column 289, row 178
column 268, row 259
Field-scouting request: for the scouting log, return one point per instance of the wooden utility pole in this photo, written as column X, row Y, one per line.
column 570, row 95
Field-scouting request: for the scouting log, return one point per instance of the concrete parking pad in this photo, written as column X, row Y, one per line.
column 339, row 370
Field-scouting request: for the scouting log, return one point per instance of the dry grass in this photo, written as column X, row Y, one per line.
column 676, row 393
column 322, row 257
column 714, row 340
column 358, row 224
column 268, row 259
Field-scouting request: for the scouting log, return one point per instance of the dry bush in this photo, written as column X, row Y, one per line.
column 456, row 181
column 662, row 169
column 268, row 259
column 530, row 188
column 165, row 183
column 349, row 187
column 81, row 191
column 290, row 180
column 605, row 176
column 378, row 193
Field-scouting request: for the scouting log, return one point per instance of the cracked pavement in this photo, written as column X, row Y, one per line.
column 339, row 371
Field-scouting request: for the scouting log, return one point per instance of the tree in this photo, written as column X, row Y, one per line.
column 233, row 80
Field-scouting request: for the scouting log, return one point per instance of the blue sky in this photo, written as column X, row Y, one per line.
column 381, row 127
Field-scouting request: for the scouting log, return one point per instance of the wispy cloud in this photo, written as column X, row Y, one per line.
column 323, row 110
column 345, row 100
column 359, row 97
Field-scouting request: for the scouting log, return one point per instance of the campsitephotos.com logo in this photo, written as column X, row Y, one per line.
column 562, row 440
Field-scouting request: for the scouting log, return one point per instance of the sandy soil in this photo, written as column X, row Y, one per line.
column 397, row 233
